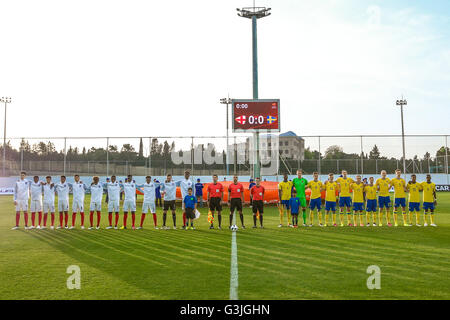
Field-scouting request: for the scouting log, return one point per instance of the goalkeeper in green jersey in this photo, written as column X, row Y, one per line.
column 300, row 184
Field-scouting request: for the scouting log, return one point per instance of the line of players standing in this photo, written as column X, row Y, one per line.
column 25, row 189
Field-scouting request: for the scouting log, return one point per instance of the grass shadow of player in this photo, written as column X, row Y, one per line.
column 164, row 264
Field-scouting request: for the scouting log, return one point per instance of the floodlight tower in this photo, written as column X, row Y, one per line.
column 4, row 100
column 255, row 13
column 402, row 103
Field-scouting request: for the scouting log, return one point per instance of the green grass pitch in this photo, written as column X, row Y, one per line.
column 273, row 263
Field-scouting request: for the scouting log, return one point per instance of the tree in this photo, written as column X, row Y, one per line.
column 374, row 153
column 334, row 152
column 427, row 156
column 113, row 149
column 141, row 149
column 154, row 147
column 166, row 150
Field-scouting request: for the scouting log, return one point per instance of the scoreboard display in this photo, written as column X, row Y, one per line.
column 261, row 114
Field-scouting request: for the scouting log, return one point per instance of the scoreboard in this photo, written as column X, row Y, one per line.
column 261, row 114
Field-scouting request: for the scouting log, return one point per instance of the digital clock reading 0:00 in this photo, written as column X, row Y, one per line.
column 242, row 106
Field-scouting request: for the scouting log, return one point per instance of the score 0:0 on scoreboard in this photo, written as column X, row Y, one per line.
column 261, row 114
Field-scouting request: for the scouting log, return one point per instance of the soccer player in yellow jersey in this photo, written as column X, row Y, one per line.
column 345, row 200
column 371, row 204
column 414, row 189
column 358, row 200
column 330, row 198
column 315, row 202
column 284, row 194
column 399, row 185
column 383, row 185
column 429, row 200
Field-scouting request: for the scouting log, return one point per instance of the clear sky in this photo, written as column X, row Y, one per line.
column 147, row 68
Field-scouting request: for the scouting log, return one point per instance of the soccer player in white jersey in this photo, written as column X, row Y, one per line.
column 62, row 189
column 96, row 202
column 113, row 188
column 129, row 203
column 169, row 190
column 185, row 184
column 78, row 191
column 49, row 201
column 36, row 201
column 149, row 200
column 21, row 196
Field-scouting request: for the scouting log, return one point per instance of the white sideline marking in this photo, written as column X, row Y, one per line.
column 234, row 283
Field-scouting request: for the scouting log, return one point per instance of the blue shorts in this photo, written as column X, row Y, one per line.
column 315, row 203
column 330, row 205
column 400, row 202
column 371, row 205
column 428, row 205
column 358, row 206
column 414, row 206
column 285, row 203
column 345, row 202
column 384, row 202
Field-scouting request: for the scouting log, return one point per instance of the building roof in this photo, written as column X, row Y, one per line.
column 286, row 134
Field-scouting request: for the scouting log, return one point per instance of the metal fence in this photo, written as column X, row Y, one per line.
column 162, row 155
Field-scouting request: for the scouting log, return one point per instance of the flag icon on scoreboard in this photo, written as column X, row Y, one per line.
column 271, row 119
column 241, row 119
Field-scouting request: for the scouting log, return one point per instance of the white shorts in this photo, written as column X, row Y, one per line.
column 22, row 205
column 95, row 206
column 114, row 205
column 78, row 205
column 63, row 205
column 129, row 205
column 36, row 206
column 49, row 206
column 149, row 205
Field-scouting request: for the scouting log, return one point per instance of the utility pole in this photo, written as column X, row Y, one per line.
column 5, row 100
column 226, row 102
column 402, row 103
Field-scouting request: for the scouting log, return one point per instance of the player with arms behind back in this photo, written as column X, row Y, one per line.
column 300, row 184
column 371, row 202
column 96, row 201
column 21, row 196
column 62, row 189
column 345, row 200
column 284, row 195
column 316, row 187
column 414, row 189
column 129, row 203
column 79, row 191
column 383, row 185
column 330, row 199
column 399, row 185
column 149, row 202
column 36, row 201
column 358, row 201
column 429, row 200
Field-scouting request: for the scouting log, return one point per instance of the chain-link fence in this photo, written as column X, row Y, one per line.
column 209, row 155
